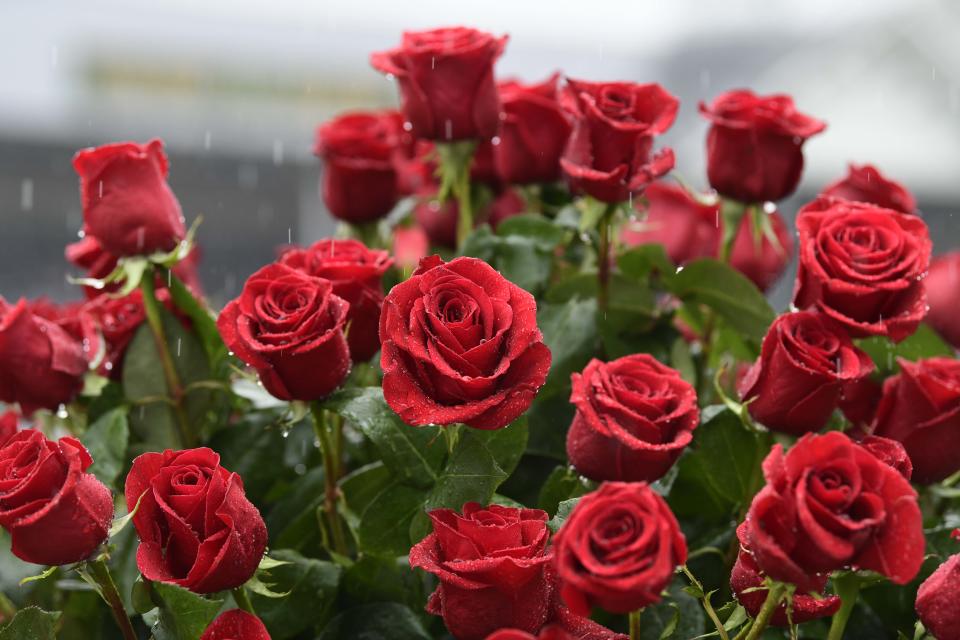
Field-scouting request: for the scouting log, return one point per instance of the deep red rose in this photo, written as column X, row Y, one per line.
column 936, row 603
column 920, row 408
column 760, row 259
column 830, row 504
column 438, row 221
column 492, row 565
column 859, row 401
column 9, row 420
column 747, row 581
column 356, row 273
column 533, row 133
column 797, row 381
column 416, row 167
column 410, row 246
column 755, row 145
column 118, row 320
column 866, row 184
column 41, row 364
column 288, row 325
column 610, row 152
column 863, row 266
column 446, row 81
column 359, row 182
column 687, row 227
column 197, row 528
column 889, row 452
column 618, row 549
column 127, row 204
column 236, row 624
column 507, row 204
column 634, row 418
column 943, row 291
column 460, row 343
column 483, row 167
column 56, row 513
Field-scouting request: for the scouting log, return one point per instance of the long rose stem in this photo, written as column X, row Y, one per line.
column 321, row 427
column 848, row 588
column 774, row 596
column 108, row 589
column 635, row 624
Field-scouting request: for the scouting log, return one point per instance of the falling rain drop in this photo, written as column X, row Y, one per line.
column 26, row 194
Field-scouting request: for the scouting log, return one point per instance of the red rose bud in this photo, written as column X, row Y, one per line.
column 618, row 549
column 197, row 528
column 866, row 184
column 830, row 504
column 41, row 364
column 920, row 408
column 797, row 381
column 438, row 221
column 446, row 81
column 533, row 133
column 610, row 152
column 634, row 418
column 863, row 266
column 686, row 227
column 755, row 145
column 289, row 327
column 236, row 624
column 56, row 513
column 943, row 291
column 492, row 566
column 9, row 420
column 127, row 204
column 747, row 584
column 460, row 343
column 859, row 401
column 356, row 273
column 889, row 452
column 359, row 179
column 761, row 259
column 936, row 603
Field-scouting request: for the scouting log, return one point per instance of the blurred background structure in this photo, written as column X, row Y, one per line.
column 236, row 89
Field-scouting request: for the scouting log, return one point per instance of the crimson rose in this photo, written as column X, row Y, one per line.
column 936, row 603
column 755, row 145
column 288, row 325
column 866, row 184
column 197, row 528
column 8, row 425
column 863, row 266
column 438, row 221
column 460, row 343
column 889, row 452
column 943, row 291
column 118, row 319
column 236, row 624
column 686, row 226
column 762, row 260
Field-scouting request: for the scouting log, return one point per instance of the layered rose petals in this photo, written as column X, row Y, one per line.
column 865, row 183
column 936, row 603
column 943, row 291
column 236, row 624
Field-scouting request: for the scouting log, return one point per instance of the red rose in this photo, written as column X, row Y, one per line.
column 755, row 145
column 920, row 408
column 859, row 401
column 533, row 133
column 760, row 259
column 687, row 227
column 356, row 273
column 506, row 205
column 936, row 603
column 618, row 549
column 828, row 505
column 492, row 566
column 197, row 528
column 460, row 343
column 41, row 364
column 359, row 178
column 236, row 624
column 438, row 221
column 863, row 266
column 8, row 425
column 797, row 381
column 747, row 584
column 410, row 246
column 289, row 327
column 55, row 512
column 634, row 418
column 943, row 291
column 118, row 320
column 866, row 184
column 609, row 155
column 890, row 452
column 127, row 205
column 483, row 166
column 446, row 81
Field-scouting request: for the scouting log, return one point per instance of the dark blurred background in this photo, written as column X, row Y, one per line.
column 236, row 89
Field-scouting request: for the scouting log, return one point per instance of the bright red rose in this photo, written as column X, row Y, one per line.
column 610, row 152
column 920, row 408
column 356, row 273
column 634, row 418
column 446, row 81
column 127, row 204
column 936, row 603
column 618, row 549
column 859, row 401
column 755, row 145
column 889, row 452
column 359, row 182
column 288, row 325
column 866, row 184
column 761, row 259
column 9, row 420
column 236, row 624
column 492, row 565
column 41, row 364
column 533, row 133
column 56, row 513
column 687, row 227
column 460, row 343
column 197, row 528
column 863, row 266
column 118, row 320
column 943, row 291
column 830, row 504
column 797, row 381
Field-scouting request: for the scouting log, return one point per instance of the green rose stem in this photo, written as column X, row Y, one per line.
column 635, row 624
column 243, row 600
column 108, row 591
column 151, row 308
column 7, row 608
column 847, row 586
column 454, row 169
column 731, row 212
column 705, row 601
column 603, row 258
column 774, row 596
column 322, row 428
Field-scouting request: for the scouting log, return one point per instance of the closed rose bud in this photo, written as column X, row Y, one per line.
column 943, row 290
column 936, row 603
column 889, row 452
column 865, row 183
column 236, row 624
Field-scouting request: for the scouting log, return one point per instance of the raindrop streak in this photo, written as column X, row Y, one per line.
column 289, row 235
column 26, row 194
column 178, row 346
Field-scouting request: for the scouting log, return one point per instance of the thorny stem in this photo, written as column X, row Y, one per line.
column 108, row 589
column 321, row 427
column 705, row 601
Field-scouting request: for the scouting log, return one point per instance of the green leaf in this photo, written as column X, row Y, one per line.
column 312, row 588
column 678, row 615
column 385, row 524
column 292, row 521
column 570, row 330
column 183, row 615
column 562, row 484
column 383, row 621
column 924, row 343
column 506, row 445
column 639, row 262
column 563, row 512
column 379, row 579
column 523, row 260
column 203, row 321
column 31, row 623
column 106, row 440
column 540, row 229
